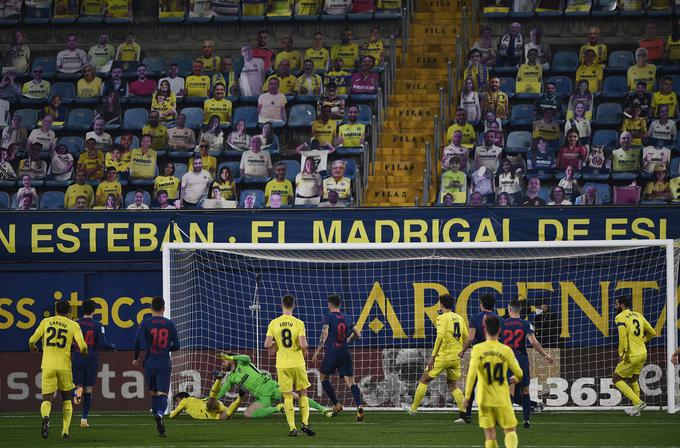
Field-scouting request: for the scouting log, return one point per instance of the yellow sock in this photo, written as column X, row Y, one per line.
column 45, row 408
column 421, row 390
column 233, row 406
column 458, row 398
column 627, row 391
column 215, row 389
column 511, row 440
column 490, row 444
column 67, row 409
column 635, row 386
column 303, row 402
column 289, row 409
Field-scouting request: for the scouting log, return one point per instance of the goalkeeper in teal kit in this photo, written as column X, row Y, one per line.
column 243, row 373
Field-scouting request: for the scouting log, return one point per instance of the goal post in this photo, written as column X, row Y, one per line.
column 222, row 296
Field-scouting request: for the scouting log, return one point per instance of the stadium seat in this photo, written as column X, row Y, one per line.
column 29, row 118
column 350, row 169
column 259, row 198
column 626, row 195
column 563, row 85
column 608, row 115
column 155, row 66
column 130, row 198
column 65, row 90
column 522, row 115
column 518, row 142
column 602, row 190
column 194, row 117
column 301, row 116
column 184, row 63
column 135, row 119
column 234, row 167
column 508, row 86
column 74, row 144
column 4, row 200
column 52, row 200
column 48, row 64
column 614, row 87
column 565, row 62
column 605, row 137
column 675, row 167
column 620, row 61
column 247, row 114
column 180, row 170
column 292, row 169
column 135, row 141
column 79, row 120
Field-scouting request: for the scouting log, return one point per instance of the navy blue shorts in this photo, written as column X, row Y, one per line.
column 340, row 361
column 84, row 371
column 524, row 365
column 158, row 378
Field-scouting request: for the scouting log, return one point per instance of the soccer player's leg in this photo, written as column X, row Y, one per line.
column 300, row 384
column 264, row 406
column 421, row 390
column 328, row 368
column 453, row 373
column 623, row 372
column 506, row 420
column 49, row 387
column 346, row 372
column 523, row 388
column 89, row 379
column 286, row 381
column 487, row 421
column 65, row 385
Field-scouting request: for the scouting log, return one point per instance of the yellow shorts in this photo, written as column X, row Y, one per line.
column 292, row 378
column 489, row 417
column 630, row 366
column 450, row 366
column 56, row 379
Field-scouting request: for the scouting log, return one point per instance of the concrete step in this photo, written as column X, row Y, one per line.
column 392, row 195
column 405, row 140
column 414, row 126
column 415, row 59
column 445, row 31
column 387, row 154
column 441, row 6
column 406, row 168
column 402, row 112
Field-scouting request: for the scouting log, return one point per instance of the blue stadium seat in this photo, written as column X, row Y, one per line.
column 259, row 198
column 74, row 144
column 180, row 170
column 518, row 142
column 365, row 114
column 65, row 90
column 135, row 119
column 603, row 191
column 522, row 115
column 508, row 86
column 48, row 64
column 301, row 116
column 614, row 87
column 292, row 169
column 184, row 63
column 130, row 198
column 620, row 61
column 234, row 167
column 155, row 66
column 4, row 200
column 29, row 118
column 194, row 117
column 350, row 169
column 52, row 200
column 79, row 120
column 675, row 167
column 564, row 62
column 247, row 114
column 562, row 85
column 605, row 137
column 608, row 115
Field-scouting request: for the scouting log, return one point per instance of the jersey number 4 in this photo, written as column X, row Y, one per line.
column 56, row 337
column 456, row 330
column 494, row 372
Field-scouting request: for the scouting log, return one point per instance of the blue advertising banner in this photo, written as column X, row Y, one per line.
column 123, row 236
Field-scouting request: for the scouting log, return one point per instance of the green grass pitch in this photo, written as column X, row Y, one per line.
column 380, row 429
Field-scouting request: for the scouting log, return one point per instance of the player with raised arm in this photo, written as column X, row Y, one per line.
column 514, row 333
column 57, row 334
column 489, row 363
column 160, row 337
column 476, row 336
column 634, row 333
column 244, row 374
column 334, row 336
column 85, row 367
column 286, row 334
column 452, row 332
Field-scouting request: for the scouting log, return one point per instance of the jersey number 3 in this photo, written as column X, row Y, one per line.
column 637, row 330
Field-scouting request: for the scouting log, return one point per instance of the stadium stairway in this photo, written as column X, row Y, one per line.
column 409, row 122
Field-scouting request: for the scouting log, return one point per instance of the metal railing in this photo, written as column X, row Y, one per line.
column 458, row 69
column 376, row 129
column 393, row 58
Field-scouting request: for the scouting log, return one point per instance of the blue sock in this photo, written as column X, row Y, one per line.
column 356, row 393
column 154, row 404
column 526, row 407
column 517, row 398
column 468, row 411
column 162, row 404
column 328, row 388
column 87, row 401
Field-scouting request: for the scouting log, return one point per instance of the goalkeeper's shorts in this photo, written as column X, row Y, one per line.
column 503, row 416
column 292, row 378
column 630, row 366
column 450, row 366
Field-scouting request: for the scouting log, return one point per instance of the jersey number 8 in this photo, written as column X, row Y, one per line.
column 287, row 338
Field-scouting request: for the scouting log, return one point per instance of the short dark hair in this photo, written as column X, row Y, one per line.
column 446, row 300
column 88, row 306
column 334, row 299
column 157, row 304
column 181, row 396
column 160, row 192
column 626, row 301
column 62, row 307
column 515, row 305
column 288, row 301
column 488, row 301
column 492, row 325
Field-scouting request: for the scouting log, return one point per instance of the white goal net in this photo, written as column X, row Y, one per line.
column 222, row 296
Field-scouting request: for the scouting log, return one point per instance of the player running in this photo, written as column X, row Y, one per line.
column 260, row 384
column 476, row 336
column 287, row 335
column 490, row 361
column 57, row 334
column 515, row 333
column 634, row 333
column 337, row 357
column 451, row 334
column 160, row 337
column 85, row 367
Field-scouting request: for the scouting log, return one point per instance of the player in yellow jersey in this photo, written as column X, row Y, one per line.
column 287, row 336
column 206, row 408
column 57, row 334
column 490, row 362
column 634, row 333
column 452, row 332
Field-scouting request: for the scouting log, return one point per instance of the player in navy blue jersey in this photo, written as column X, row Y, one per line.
column 85, row 366
column 337, row 331
column 476, row 335
column 515, row 332
column 160, row 337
